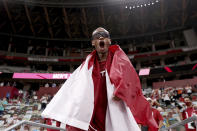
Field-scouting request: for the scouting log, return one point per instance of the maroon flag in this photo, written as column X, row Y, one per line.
column 128, row 88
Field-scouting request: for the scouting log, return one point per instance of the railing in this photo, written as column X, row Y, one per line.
column 23, row 123
column 191, row 119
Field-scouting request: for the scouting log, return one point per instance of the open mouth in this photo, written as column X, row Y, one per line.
column 102, row 44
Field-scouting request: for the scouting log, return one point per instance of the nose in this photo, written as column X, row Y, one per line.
column 101, row 38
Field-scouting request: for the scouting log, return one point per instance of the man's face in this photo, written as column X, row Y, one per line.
column 187, row 102
column 101, row 41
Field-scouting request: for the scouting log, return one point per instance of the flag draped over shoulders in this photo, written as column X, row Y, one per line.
column 128, row 88
column 74, row 102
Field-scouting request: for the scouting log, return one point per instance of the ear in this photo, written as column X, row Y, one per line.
column 110, row 41
column 93, row 43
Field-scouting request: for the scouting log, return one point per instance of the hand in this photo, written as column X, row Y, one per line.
column 116, row 98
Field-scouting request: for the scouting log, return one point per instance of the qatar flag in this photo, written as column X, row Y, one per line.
column 74, row 102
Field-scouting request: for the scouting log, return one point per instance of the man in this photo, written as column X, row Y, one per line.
column 43, row 101
column 156, row 114
column 1, row 107
column 156, row 94
column 188, row 112
column 103, row 94
column 188, row 89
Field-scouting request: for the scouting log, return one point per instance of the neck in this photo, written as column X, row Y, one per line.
column 102, row 56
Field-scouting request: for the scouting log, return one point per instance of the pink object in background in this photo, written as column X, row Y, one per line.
column 194, row 67
column 41, row 76
column 143, row 72
column 167, row 69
